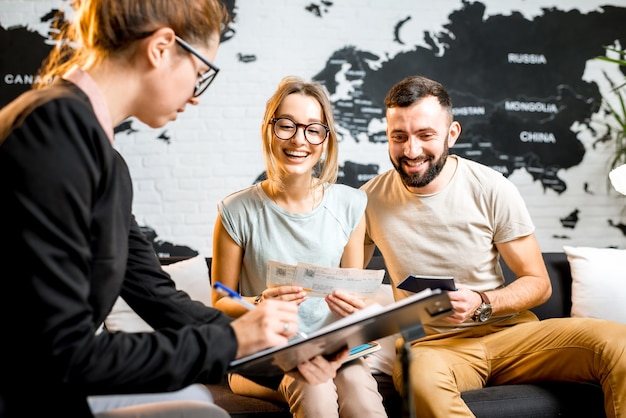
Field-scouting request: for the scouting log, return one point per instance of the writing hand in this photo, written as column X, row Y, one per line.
column 271, row 323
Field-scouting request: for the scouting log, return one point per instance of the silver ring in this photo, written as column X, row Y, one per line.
column 286, row 326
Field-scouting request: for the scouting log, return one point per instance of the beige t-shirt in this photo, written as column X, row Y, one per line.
column 450, row 233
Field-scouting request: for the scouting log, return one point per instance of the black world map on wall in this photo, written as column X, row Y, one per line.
column 516, row 83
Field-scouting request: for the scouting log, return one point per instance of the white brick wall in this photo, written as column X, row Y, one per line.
column 214, row 148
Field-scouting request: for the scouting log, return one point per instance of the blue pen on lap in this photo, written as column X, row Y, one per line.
column 228, row 292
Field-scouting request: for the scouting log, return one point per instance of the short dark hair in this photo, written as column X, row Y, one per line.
column 414, row 88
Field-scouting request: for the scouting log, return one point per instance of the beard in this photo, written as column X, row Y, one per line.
column 421, row 180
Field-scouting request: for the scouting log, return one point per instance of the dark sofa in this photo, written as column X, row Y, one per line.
column 548, row 399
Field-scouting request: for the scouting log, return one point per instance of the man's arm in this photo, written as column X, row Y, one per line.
column 532, row 285
column 531, row 288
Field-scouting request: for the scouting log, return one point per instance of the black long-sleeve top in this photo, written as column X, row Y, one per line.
column 69, row 247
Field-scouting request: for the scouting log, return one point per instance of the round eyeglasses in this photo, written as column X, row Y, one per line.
column 314, row 133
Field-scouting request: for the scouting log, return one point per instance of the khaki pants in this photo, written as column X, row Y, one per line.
column 353, row 393
column 519, row 350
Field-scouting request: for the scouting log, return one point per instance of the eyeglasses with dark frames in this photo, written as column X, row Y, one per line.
column 314, row 133
column 205, row 80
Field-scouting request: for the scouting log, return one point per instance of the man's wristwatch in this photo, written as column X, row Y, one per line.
column 483, row 312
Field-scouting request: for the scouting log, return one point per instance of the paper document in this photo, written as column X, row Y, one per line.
column 320, row 281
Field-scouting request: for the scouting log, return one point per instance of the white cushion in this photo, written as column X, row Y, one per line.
column 598, row 282
column 191, row 275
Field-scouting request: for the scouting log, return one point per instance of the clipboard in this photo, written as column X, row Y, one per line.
column 369, row 324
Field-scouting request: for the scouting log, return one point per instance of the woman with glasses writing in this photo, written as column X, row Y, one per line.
column 297, row 214
column 66, row 214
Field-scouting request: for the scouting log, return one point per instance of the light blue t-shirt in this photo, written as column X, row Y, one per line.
column 266, row 232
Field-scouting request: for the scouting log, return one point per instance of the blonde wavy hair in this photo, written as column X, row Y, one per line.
column 328, row 168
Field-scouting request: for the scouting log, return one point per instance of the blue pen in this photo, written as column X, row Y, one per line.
column 225, row 291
